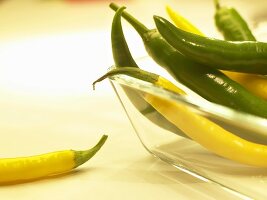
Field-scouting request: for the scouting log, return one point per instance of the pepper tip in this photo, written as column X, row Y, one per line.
column 159, row 20
column 217, row 4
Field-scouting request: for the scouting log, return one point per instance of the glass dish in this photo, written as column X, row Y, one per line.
column 185, row 154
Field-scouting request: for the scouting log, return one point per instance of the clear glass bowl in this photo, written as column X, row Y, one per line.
column 185, row 154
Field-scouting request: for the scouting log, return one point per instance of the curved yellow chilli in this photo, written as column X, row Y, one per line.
column 14, row 169
column 254, row 83
column 206, row 133
column 39, row 166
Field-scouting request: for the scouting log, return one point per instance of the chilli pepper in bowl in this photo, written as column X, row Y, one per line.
column 239, row 56
column 122, row 58
column 213, row 137
column 206, row 81
column 231, row 24
column 256, row 84
column 200, row 129
column 233, row 27
column 162, row 82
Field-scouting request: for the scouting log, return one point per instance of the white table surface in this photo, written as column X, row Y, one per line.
column 50, row 53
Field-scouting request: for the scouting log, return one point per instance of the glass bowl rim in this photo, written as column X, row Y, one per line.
column 245, row 120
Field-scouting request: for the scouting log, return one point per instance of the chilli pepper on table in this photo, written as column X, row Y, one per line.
column 39, row 166
column 203, row 131
column 206, row 81
column 122, row 57
column 239, row 56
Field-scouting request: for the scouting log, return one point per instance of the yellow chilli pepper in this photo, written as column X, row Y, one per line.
column 39, row 166
column 210, row 135
column 182, row 22
column 254, row 83
column 200, row 129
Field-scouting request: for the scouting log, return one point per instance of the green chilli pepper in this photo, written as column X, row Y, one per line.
column 241, row 56
column 208, row 82
column 120, row 51
column 235, row 28
column 231, row 24
column 123, row 58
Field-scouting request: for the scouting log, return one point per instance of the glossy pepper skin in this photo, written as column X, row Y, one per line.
column 122, row 57
column 231, row 24
column 206, row 81
column 21, row 169
column 256, row 84
column 242, row 56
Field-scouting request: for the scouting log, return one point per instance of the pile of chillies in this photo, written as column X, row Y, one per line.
column 198, row 62
column 209, row 82
column 234, row 28
column 122, row 58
